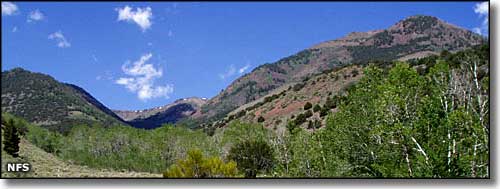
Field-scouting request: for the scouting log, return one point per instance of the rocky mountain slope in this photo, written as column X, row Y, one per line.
column 413, row 37
column 41, row 99
column 286, row 104
column 170, row 113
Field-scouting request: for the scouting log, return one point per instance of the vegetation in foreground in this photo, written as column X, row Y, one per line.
column 45, row 164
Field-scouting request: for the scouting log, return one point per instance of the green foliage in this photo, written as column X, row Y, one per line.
column 383, row 38
column 20, row 124
column 260, row 119
column 238, row 132
column 316, row 108
column 271, row 98
column 11, row 138
column 306, row 157
column 298, row 86
column 301, row 118
column 402, row 124
column 197, row 166
column 133, row 149
column 40, row 98
column 252, row 157
column 324, row 111
column 307, row 106
column 308, row 114
column 47, row 140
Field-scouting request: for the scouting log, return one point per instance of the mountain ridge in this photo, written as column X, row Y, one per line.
column 412, row 37
column 43, row 100
column 169, row 113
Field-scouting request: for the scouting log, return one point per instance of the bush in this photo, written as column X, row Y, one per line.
column 260, row 119
column 291, row 126
column 307, row 106
column 316, row 108
column 298, row 86
column 241, row 113
column 301, row 118
column 310, row 124
column 252, row 157
column 197, row 166
column 331, row 102
column 308, row 114
column 354, row 72
column 324, row 111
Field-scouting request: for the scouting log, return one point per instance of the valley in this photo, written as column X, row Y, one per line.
column 409, row 101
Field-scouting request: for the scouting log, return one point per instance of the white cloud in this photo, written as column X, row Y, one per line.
column 61, row 40
column 243, row 69
column 35, row 16
column 482, row 9
column 9, row 8
column 142, row 79
column 477, row 30
column 14, row 30
column 142, row 16
column 230, row 72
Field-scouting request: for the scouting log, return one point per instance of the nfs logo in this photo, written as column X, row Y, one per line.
column 18, row 167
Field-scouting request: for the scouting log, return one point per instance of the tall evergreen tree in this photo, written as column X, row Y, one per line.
column 11, row 139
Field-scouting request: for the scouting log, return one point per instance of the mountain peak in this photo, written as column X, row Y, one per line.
column 428, row 32
column 418, row 24
column 18, row 69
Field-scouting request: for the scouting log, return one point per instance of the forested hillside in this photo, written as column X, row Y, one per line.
column 41, row 99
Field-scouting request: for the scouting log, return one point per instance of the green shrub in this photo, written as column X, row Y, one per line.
column 307, row 106
column 252, row 157
column 260, row 119
column 317, row 108
column 198, row 166
column 308, row 114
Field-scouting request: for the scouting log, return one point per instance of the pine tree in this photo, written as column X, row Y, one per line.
column 11, row 139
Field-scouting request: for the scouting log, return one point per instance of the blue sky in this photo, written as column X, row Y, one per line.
column 141, row 55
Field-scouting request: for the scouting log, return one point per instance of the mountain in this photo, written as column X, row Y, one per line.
column 170, row 113
column 413, row 37
column 288, row 102
column 41, row 99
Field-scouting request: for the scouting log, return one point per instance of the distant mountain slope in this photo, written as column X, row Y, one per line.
column 281, row 106
column 413, row 37
column 170, row 113
column 41, row 99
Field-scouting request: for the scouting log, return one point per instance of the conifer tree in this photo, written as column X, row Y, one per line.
column 11, row 139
